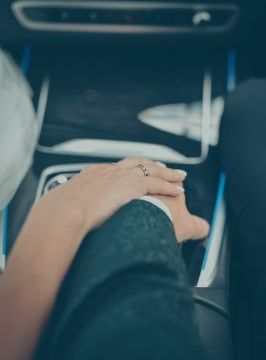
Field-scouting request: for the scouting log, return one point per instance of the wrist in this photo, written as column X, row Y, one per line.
column 47, row 245
column 59, row 218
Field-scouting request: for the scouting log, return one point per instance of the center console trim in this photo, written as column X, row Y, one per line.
column 66, row 168
column 19, row 7
column 118, row 149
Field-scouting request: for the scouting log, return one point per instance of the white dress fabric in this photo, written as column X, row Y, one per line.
column 18, row 128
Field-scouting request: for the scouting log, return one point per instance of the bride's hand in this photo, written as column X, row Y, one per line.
column 52, row 235
column 98, row 191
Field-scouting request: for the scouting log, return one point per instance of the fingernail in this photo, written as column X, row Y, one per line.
column 180, row 190
column 182, row 172
column 160, row 164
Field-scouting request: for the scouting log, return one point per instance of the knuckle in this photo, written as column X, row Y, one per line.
column 161, row 171
column 141, row 160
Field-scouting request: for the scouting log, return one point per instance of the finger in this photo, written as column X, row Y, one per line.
column 165, row 173
column 160, row 163
column 156, row 186
column 200, row 228
column 155, row 168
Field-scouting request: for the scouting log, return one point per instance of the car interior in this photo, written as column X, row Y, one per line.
column 112, row 79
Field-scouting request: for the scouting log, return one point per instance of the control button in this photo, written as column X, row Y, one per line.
column 61, row 179
column 56, row 181
column 201, row 18
column 93, row 16
column 128, row 19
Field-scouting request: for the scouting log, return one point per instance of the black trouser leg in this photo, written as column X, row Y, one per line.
column 243, row 154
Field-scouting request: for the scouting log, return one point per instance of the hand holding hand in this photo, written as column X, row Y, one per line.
column 93, row 195
column 186, row 225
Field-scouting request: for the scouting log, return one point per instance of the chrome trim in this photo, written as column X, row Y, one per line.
column 2, row 256
column 203, row 300
column 66, row 175
column 42, row 103
column 18, row 8
column 206, row 120
column 56, row 169
column 114, row 149
column 208, row 274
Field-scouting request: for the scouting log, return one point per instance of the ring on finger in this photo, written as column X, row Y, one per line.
column 144, row 170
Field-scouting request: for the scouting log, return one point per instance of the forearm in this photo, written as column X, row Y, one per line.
column 28, row 288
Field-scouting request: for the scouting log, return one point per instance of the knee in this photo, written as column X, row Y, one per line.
column 243, row 125
column 242, row 139
column 245, row 108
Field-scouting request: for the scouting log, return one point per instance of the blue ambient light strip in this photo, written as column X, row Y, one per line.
column 25, row 62
column 5, row 231
column 231, row 82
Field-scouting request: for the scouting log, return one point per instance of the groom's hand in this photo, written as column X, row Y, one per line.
column 186, row 225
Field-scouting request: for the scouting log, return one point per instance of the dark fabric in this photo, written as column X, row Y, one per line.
column 126, row 295
column 243, row 152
